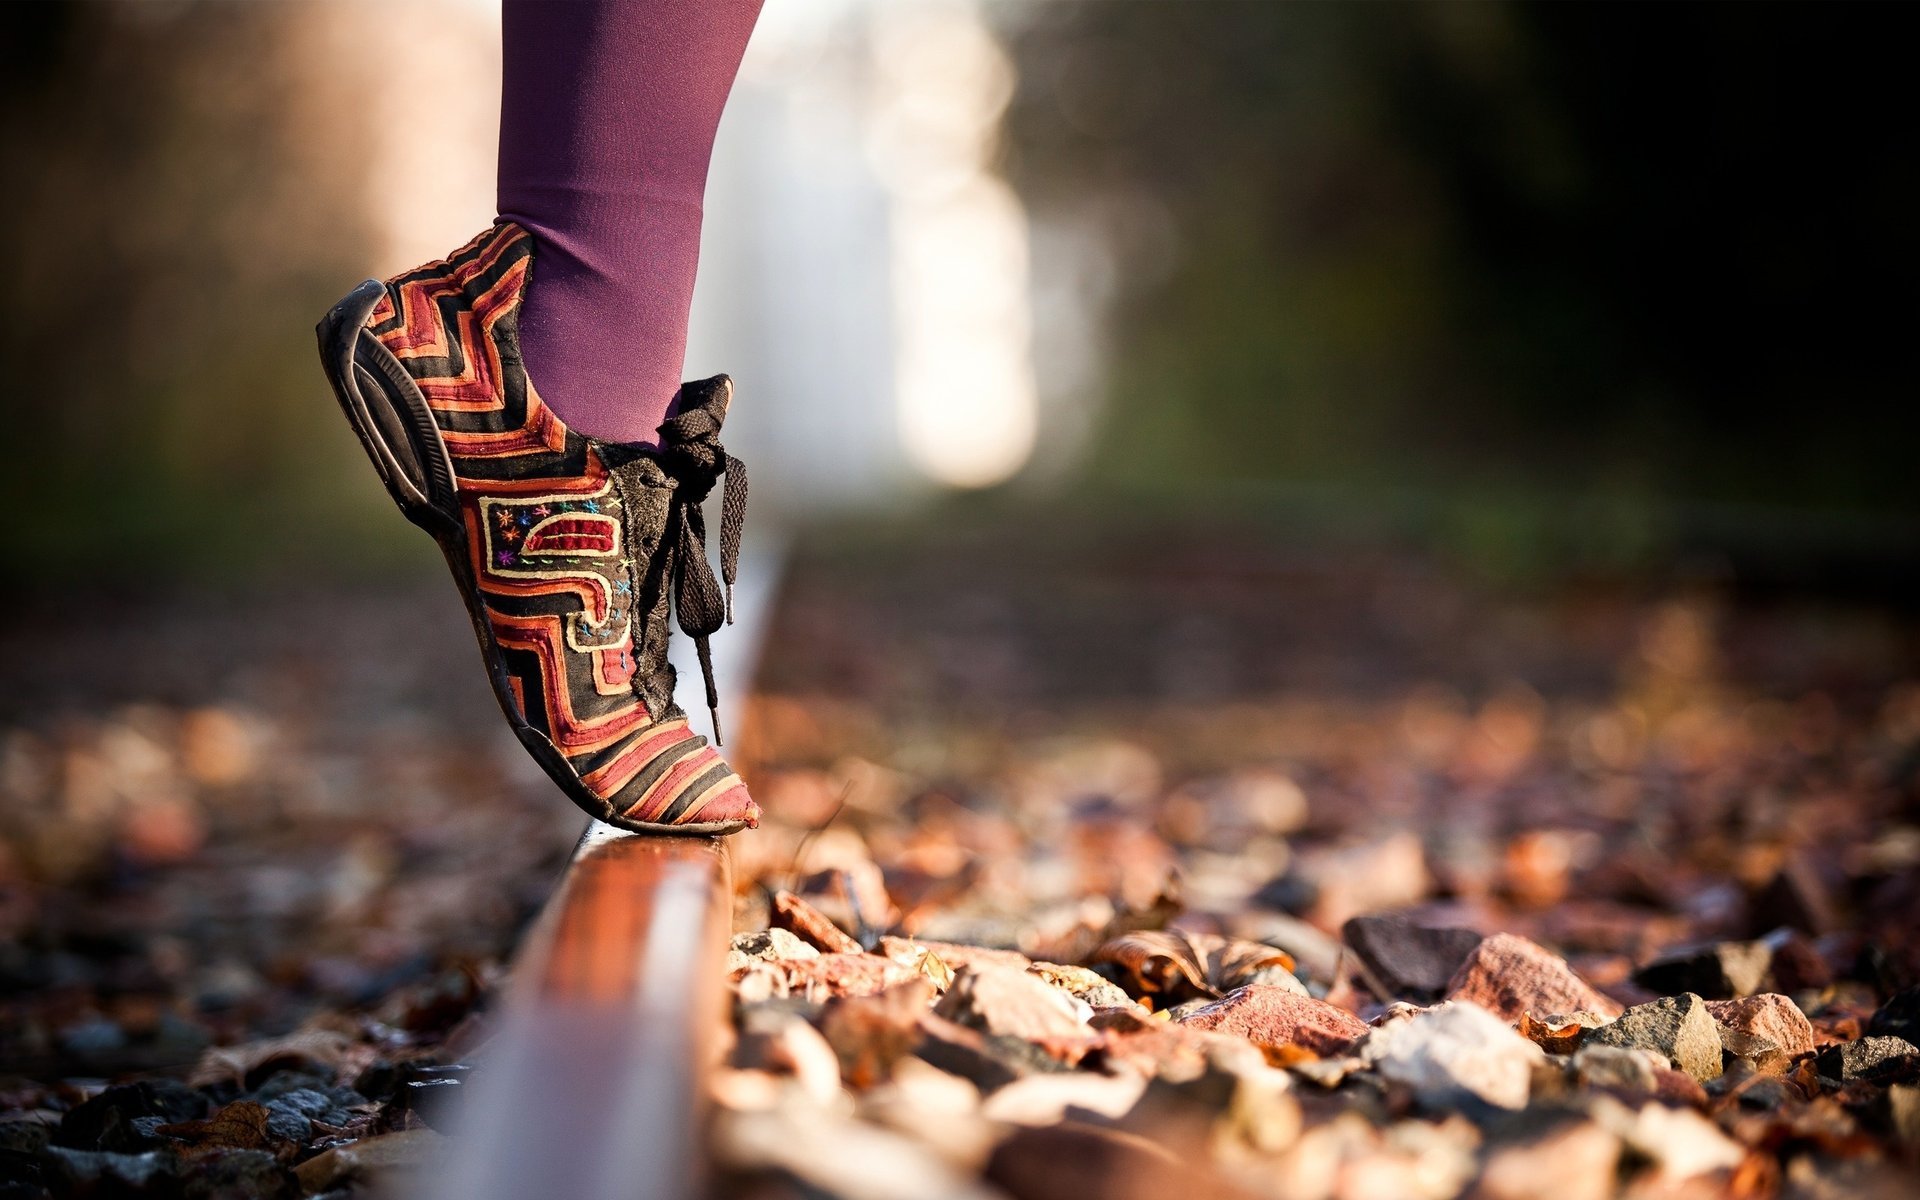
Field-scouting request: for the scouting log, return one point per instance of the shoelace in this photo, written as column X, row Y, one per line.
column 691, row 453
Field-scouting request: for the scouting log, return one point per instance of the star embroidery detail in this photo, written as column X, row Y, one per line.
column 504, row 517
column 541, row 510
column 622, row 587
column 592, row 506
column 504, row 558
column 511, row 534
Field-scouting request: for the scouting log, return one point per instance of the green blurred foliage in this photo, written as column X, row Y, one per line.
column 184, row 202
column 1639, row 266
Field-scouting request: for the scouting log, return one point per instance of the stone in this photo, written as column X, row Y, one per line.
column 1237, row 1097
column 828, row 1153
column 783, row 1043
column 1329, row 884
column 1631, row 1072
column 1768, row 1015
column 106, row 1121
column 411, row 1149
column 1050, row 1099
column 1454, row 1053
column 1566, row 1158
column 1088, row 987
column 830, row 975
column 1133, row 1041
column 1680, row 1142
column 102, row 1173
column 1273, row 1017
column 767, row 945
column 227, row 1174
column 1898, row 1017
column 954, row 954
column 1796, row 897
column 870, row 1035
column 1677, row 1027
column 1903, row 1115
column 936, row 1109
column 1797, row 966
column 1874, row 1059
column 1558, row 1033
column 1763, row 1053
column 1082, row 1160
column 1678, row 1089
column 985, row 1061
column 1721, row 971
column 1766, row 1093
column 1409, row 960
column 1315, row 955
column 1009, row 1003
column 1508, row 976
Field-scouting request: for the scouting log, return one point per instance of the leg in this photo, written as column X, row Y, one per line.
column 607, row 117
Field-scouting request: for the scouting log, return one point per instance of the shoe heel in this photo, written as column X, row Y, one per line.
column 388, row 414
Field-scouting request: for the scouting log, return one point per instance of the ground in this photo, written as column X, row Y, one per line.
column 274, row 848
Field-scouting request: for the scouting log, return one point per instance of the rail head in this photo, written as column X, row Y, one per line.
column 593, row 1087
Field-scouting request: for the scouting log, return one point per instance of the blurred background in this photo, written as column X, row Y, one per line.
column 1542, row 285
column 1494, row 421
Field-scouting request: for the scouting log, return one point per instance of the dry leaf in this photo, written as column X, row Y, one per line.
column 238, row 1126
column 1176, row 965
column 931, row 966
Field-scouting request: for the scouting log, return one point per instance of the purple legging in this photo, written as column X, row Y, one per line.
column 608, row 110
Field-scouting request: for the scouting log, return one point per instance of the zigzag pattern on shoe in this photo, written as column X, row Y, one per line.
column 558, row 550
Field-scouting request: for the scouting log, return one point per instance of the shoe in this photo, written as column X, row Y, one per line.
column 569, row 551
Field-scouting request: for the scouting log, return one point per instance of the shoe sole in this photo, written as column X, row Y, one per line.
column 401, row 438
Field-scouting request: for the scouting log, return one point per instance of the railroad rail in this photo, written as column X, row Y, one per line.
column 593, row 1088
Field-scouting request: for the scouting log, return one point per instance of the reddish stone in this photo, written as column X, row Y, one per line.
column 1677, row 1089
column 954, row 954
column 1510, row 976
column 1768, row 1015
column 833, row 975
column 1155, row 1047
column 1272, row 1017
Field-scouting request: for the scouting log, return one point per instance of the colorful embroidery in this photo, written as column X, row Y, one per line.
column 547, row 533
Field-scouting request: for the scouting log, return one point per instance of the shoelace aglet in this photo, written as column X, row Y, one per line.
column 729, row 602
column 713, row 692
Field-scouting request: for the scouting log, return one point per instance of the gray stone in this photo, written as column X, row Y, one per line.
column 1874, row 1059
column 766, row 945
column 99, row 1172
column 1679, row 1142
column 1677, row 1027
column 1082, row 984
column 1630, row 1071
column 1452, row 1053
column 1409, row 960
column 1568, row 1158
column 1722, row 971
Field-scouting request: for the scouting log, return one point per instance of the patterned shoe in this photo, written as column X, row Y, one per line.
column 566, row 548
